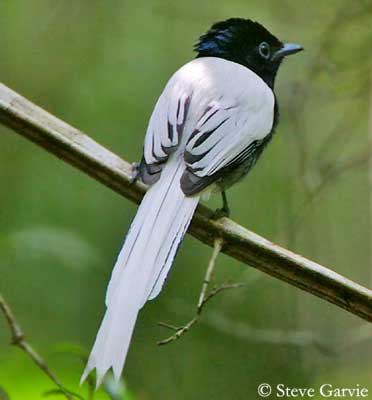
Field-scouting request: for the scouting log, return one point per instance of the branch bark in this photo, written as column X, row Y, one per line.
column 84, row 153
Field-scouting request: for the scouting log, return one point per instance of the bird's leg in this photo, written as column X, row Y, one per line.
column 225, row 204
column 225, row 210
column 135, row 173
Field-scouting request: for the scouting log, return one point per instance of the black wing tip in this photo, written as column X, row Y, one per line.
column 192, row 184
column 149, row 173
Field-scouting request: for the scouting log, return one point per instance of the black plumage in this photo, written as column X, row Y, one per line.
column 238, row 40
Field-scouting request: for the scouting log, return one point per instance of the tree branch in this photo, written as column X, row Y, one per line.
column 18, row 339
column 84, row 153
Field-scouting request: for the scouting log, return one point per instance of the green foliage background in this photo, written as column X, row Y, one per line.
column 101, row 66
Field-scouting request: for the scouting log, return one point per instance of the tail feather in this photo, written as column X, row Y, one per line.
column 177, row 234
column 142, row 266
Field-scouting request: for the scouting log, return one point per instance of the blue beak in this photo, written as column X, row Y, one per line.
column 286, row 50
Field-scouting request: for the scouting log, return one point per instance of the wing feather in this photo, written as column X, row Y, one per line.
column 164, row 133
column 227, row 135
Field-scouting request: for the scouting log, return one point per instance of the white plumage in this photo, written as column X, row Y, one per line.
column 222, row 97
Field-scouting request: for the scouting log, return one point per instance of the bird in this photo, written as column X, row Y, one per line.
column 208, row 128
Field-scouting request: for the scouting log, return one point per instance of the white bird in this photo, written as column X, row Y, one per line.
column 208, row 128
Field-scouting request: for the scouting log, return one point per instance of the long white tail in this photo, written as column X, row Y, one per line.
column 142, row 266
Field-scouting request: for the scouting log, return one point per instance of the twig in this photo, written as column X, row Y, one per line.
column 208, row 275
column 18, row 339
column 203, row 298
column 81, row 151
column 180, row 330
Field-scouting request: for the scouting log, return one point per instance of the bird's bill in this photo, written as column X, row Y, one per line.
column 286, row 50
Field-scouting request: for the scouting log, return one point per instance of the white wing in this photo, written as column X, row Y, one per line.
column 215, row 111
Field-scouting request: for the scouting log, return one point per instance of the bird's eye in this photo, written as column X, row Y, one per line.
column 264, row 50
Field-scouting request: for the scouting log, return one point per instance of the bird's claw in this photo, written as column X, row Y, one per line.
column 221, row 213
column 135, row 173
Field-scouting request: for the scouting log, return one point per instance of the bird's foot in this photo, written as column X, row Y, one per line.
column 221, row 213
column 135, row 173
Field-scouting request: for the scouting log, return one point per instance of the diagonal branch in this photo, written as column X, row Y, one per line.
column 18, row 339
column 84, row 153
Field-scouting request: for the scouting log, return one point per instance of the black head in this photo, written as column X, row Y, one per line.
column 248, row 43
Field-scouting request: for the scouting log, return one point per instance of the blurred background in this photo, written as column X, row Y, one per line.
column 100, row 66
